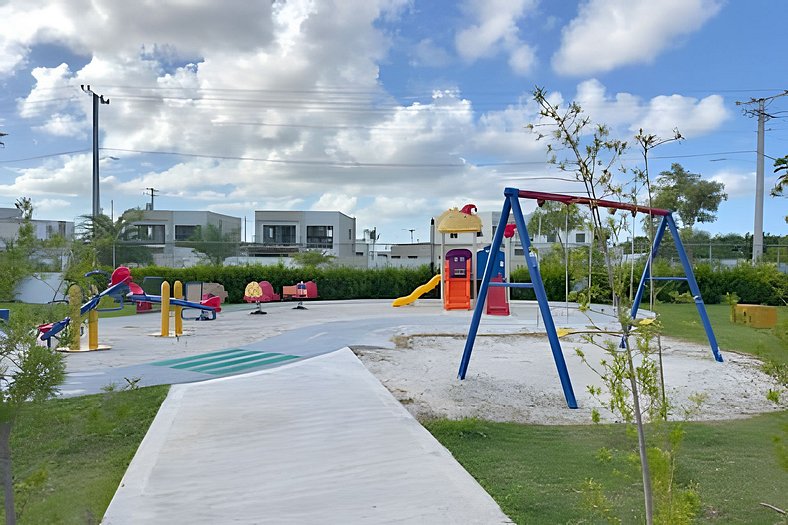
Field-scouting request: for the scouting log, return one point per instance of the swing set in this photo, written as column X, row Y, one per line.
column 511, row 204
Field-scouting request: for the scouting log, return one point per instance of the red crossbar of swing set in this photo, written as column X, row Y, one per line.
column 541, row 196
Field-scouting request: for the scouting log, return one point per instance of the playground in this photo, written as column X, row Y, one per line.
column 323, row 392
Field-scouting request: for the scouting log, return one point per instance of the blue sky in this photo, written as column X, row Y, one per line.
column 390, row 111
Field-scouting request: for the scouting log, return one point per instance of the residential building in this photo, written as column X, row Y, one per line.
column 160, row 230
column 11, row 219
column 281, row 233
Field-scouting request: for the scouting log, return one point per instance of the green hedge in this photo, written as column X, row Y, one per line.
column 332, row 282
column 759, row 284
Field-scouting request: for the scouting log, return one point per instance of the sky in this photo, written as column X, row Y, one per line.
column 390, row 111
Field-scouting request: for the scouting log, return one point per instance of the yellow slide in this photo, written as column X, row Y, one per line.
column 418, row 292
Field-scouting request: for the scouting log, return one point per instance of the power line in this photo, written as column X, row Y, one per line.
column 45, row 156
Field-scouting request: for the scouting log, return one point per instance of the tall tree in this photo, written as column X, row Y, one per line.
column 113, row 241
column 692, row 198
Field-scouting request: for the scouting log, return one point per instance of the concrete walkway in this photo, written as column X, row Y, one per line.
column 319, row 441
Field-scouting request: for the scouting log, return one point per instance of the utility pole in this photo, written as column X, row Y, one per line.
column 757, row 236
column 153, row 192
column 97, row 99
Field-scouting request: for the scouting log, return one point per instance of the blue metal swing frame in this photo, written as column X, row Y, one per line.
column 511, row 204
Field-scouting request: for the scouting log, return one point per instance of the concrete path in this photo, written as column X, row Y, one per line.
column 319, row 441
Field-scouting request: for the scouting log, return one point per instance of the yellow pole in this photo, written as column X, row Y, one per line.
column 74, row 298
column 165, row 309
column 92, row 329
column 177, row 292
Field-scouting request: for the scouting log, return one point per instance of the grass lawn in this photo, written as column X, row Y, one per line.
column 683, row 322
column 83, row 445
column 536, row 473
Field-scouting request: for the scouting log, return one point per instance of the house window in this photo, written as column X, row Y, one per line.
column 185, row 232
column 580, row 237
column 453, row 235
column 479, row 234
column 279, row 234
column 350, row 234
column 551, row 237
column 150, row 233
column 319, row 236
column 518, row 251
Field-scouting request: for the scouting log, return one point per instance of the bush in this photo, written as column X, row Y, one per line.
column 332, row 282
column 758, row 284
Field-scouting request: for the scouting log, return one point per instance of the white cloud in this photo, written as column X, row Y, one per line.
column 626, row 113
column 45, row 204
column 691, row 116
column 65, row 176
column 49, row 81
column 64, row 126
column 607, row 34
column 737, row 183
column 494, row 30
column 336, row 202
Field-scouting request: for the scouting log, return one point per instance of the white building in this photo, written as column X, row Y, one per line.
column 280, row 233
column 11, row 220
column 160, row 230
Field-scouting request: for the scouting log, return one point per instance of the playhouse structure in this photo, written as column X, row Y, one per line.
column 461, row 268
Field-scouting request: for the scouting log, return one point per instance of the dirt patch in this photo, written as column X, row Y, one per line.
column 514, row 378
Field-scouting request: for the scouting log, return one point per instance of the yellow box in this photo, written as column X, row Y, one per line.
column 755, row 315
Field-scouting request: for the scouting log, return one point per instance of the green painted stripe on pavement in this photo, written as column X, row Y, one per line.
column 253, row 365
column 169, row 362
column 257, row 357
column 194, row 365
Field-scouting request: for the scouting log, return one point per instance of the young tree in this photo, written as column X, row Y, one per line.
column 16, row 258
column 312, row 258
column 592, row 155
column 215, row 244
column 28, row 373
column 692, row 198
column 112, row 242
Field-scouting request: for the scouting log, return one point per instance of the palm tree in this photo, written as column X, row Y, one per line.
column 110, row 239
